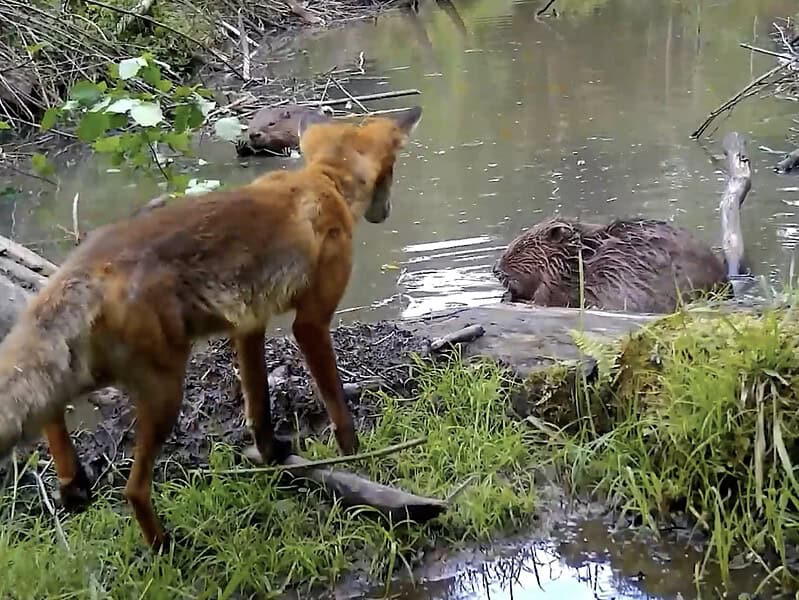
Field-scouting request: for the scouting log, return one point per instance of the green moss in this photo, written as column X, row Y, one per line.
column 705, row 421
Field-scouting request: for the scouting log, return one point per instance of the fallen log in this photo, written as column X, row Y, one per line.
column 352, row 490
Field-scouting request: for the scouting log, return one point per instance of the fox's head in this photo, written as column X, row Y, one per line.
column 362, row 156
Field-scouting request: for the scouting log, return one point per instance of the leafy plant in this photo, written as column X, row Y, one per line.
column 135, row 118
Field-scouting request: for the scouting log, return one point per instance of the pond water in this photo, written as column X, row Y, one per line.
column 587, row 114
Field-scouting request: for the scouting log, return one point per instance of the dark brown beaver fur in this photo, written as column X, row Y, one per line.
column 275, row 130
column 638, row 265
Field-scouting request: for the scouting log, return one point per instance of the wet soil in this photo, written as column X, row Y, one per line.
column 370, row 357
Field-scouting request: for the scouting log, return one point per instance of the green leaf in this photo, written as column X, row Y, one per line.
column 179, row 182
column 196, row 117
column 108, row 144
column 181, row 118
column 147, row 114
column 4, row 126
column 50, row 117
column 151, row 74
column 34, row 49
column 131, row 142
column 92, row 126
column 179, row 142
column 122, row 105
column 164, row 85
column 228, row 128
column 130, row 67
column 86, row 93
column 182, row 92
column 42, row 165
column 117, row 121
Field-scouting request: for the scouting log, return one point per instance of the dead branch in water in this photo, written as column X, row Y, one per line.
column 781, row 79
column 749, row 89
column 739, row 182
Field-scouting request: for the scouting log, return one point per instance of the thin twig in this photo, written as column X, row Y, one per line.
column 152, row 21
column 75, row 228
column 378, row 96
column 49, row 506
column 319, row 463
column 729, row 104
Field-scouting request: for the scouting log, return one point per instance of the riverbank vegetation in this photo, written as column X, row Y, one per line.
column 47, row 46
column 689, row 423
column 247, row 534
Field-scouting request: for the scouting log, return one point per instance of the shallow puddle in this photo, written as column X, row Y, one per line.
column 581, row 560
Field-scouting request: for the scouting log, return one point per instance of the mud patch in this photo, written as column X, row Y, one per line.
column 370, row 357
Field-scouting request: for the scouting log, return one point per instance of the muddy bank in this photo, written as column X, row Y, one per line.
column 370, row 357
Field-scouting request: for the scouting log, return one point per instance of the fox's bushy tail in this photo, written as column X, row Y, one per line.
column 42, row 364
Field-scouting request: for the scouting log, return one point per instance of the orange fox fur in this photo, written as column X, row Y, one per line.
column 126, row 305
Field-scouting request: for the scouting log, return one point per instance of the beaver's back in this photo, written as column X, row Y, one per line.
column 636, row 265
column 648, row 266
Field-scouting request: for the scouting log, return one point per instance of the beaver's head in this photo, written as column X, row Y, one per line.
column 544, row 255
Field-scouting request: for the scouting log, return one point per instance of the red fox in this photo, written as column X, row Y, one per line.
column 127, row 304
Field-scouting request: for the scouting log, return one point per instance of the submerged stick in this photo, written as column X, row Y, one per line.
column 739, row 182
column 377, row 96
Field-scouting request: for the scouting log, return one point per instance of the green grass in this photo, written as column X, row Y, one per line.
column 704, row 419
column 246, row 535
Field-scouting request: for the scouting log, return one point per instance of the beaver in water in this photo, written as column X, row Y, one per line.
column 637, row 265
column 274, row 130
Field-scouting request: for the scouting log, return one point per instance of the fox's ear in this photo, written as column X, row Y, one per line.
column 408, row 119
column 309, row 119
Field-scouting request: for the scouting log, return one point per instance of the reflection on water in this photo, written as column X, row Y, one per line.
column 587, row 114
column 583, row 558
column 533, row 573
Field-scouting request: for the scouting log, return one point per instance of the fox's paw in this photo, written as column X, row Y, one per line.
column 76, row 495
column 276, row 452
column 347, row 440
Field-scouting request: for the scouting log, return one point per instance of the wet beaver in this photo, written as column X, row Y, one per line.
column 274, row 130
column 635, row 265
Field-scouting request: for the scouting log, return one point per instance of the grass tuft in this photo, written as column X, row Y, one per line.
column 245, row 535
column 705, row 421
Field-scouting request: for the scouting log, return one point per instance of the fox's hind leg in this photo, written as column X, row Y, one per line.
column 258, row 413
column 158, row 394
column 74, row 487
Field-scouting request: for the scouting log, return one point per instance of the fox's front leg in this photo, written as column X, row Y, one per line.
column 311, row 329
column 257, row 411
column 74, row 487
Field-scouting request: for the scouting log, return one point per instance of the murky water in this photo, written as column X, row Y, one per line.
column 581, row 559
column 588, row 114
